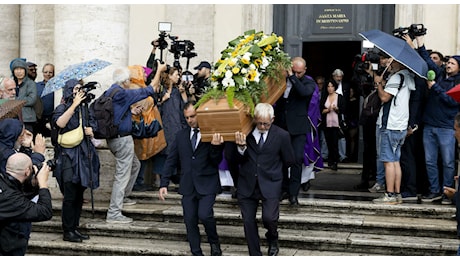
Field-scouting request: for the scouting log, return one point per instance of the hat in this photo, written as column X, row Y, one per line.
column 203, row 64
column 31, row 64
column 457, row 58
column 147, row 70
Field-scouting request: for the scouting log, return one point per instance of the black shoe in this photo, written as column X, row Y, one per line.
column 234, row 194
column 72, row 237
column 334, row 167
column 215, row 250
column 306, row 186
column 82, row 236
column 284, row 196
column 293, row 201
column 273, row 248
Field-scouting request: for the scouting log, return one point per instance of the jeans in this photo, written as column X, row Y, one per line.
column 342, row 149
column 127, row 168
column 442, row 140
column 380, row 174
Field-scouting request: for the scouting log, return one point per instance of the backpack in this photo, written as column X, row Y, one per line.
column 102, row 109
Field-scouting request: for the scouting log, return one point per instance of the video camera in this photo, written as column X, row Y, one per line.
column 86, row 89
column 183, row 48
column 366, row 59
column 413, row 30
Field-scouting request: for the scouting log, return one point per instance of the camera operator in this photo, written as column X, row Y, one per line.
column 366, row 77
column 16, row 209
column 201, row 79
column 77, row 168
column 151, row 62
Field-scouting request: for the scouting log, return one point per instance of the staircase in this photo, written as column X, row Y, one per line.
column 332, row 219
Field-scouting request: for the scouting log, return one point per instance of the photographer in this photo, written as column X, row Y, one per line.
column 74, row 171
column 15, row 138
column 201, row 80
column 16, row 208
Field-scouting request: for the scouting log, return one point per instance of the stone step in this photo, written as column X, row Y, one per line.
column 344, row 230
column 144, row 236
column 332, row 219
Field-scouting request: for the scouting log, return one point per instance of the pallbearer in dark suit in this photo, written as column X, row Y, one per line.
column 261, row 156
column 292, row 116
column 199, row 183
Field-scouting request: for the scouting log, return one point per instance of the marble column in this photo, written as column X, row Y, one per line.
column 9, row 40
column 37, row 35
column 84, row 32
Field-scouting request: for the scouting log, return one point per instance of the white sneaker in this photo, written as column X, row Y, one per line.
column 386, row 199
column 128, row 202
column 119, row 220
column 377, row 188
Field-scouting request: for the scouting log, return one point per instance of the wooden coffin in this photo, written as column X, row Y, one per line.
column 217, row 117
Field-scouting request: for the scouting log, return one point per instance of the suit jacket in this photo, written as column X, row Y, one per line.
column 199, row 168
column 291, row 113
column 265, row 165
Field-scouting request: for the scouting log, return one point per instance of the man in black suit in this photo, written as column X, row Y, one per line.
column 199, row 183
column 261, row 156
column 291, row 114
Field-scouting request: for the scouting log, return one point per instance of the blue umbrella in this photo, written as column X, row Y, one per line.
column 76, row 71
column 398, row 49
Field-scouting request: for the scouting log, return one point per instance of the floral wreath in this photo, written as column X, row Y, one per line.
column 245, row 64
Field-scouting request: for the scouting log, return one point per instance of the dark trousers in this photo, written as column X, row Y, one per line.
column 73, row 197
column 332, row 139
column 413, row 166
column 369, row 152
column 270, row 217
column 292, row 184
column 197, row 208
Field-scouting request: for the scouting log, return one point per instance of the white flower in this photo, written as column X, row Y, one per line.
column 265, row 62
column 228, row 74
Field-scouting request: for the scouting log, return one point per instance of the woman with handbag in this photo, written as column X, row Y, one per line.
column 77, row 166
column 331, row 112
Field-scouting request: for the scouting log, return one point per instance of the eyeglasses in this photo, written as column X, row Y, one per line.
column 263, row 124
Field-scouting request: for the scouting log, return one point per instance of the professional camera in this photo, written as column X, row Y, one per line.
column 155, row 66
column 182, row 48
column 30, row 186
column 86, row 89
column 413, row 30
column 365, row 60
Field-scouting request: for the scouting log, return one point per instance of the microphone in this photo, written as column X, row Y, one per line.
column 431, row 75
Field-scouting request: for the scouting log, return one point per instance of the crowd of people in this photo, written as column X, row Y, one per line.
column 408, row 135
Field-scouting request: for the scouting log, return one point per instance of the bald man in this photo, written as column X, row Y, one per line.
column 16, row 207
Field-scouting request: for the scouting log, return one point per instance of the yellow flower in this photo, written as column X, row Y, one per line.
column 245, row 61
column 268, row 47
column 252, row 75
column 280, row 39
column 236, row 70
column 257, row 62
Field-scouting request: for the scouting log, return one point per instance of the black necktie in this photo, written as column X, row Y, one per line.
column 261, row 140
column 194, row 138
